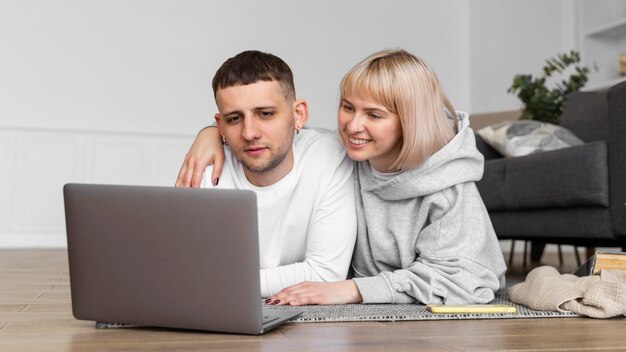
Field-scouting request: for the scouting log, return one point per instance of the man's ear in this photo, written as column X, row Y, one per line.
column 220, row 127
column 300, row 113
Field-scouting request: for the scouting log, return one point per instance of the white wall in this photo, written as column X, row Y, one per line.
column 146, row 65
column 113, row 91
column 513, row 37
column 36, row 163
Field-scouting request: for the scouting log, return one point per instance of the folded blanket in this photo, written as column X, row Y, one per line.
column 597, row 296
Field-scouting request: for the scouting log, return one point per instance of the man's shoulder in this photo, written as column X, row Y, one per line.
column 319, row 151
column 321, row 140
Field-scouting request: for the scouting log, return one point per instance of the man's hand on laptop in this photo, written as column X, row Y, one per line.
column 305, row 293
column 207, row 149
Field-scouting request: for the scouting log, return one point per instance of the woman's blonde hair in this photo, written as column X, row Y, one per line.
column 406, row 86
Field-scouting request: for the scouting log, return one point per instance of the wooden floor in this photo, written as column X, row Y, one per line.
column 35, row 315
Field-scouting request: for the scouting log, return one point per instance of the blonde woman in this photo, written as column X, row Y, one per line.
column 424, row 234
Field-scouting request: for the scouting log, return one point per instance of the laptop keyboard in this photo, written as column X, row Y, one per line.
column 269, row 318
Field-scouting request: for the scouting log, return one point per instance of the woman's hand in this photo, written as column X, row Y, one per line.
column 207, row 149
column 341, row 292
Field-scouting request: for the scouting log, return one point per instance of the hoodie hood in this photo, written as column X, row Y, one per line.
column 457, row 162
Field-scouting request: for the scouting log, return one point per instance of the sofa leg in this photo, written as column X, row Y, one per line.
column 589, row 251
column 511, row 253
column 536, row 251
column 525, row 255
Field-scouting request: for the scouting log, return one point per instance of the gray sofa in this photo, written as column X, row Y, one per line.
column 572, row 196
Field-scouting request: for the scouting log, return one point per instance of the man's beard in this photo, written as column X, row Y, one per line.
column 273, row 162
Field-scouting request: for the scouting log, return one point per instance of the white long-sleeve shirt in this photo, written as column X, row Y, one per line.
column 307, row 220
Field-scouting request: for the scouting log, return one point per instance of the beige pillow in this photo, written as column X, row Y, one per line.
column 518, row 138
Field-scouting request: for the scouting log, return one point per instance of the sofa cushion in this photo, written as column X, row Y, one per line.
column 560, row 225
column 524, row 137
column 576, row 176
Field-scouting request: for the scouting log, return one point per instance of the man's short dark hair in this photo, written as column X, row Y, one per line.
column 252, row 66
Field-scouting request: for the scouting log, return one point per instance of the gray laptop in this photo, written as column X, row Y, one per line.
column 166, row 257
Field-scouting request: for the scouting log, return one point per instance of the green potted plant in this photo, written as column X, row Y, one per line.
column 542, row 103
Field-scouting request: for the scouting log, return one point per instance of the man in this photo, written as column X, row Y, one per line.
column 302, row 178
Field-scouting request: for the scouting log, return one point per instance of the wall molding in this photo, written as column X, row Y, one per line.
column 37, row 162
column 14, row 240
column 96, row 132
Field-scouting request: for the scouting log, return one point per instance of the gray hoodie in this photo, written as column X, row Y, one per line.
column 424, row 235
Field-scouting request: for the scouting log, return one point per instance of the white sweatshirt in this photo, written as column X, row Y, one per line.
column 307, row 220
column 424, row 234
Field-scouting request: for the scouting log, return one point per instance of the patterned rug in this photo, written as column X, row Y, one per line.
column 388, row 312
column 399, row 312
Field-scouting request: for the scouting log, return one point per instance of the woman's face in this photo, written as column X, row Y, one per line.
column 370, row 132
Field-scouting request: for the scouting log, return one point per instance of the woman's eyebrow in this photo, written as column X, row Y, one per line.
column 376, row 109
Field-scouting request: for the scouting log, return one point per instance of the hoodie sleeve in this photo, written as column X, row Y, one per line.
column 458, row 259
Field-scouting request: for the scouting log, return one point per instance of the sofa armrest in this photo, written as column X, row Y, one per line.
column 563, row 178
column 616, row 97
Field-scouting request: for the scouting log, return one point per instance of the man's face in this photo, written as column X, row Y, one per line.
column 258, row 121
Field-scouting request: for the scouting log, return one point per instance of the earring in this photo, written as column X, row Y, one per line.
column 224, row 141
column 297, row 129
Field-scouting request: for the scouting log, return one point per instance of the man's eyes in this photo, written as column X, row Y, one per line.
column 233, row 119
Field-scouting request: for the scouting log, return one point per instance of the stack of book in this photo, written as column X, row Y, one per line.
column 602, row 261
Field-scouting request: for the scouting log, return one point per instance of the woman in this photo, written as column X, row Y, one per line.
column 424, row 234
